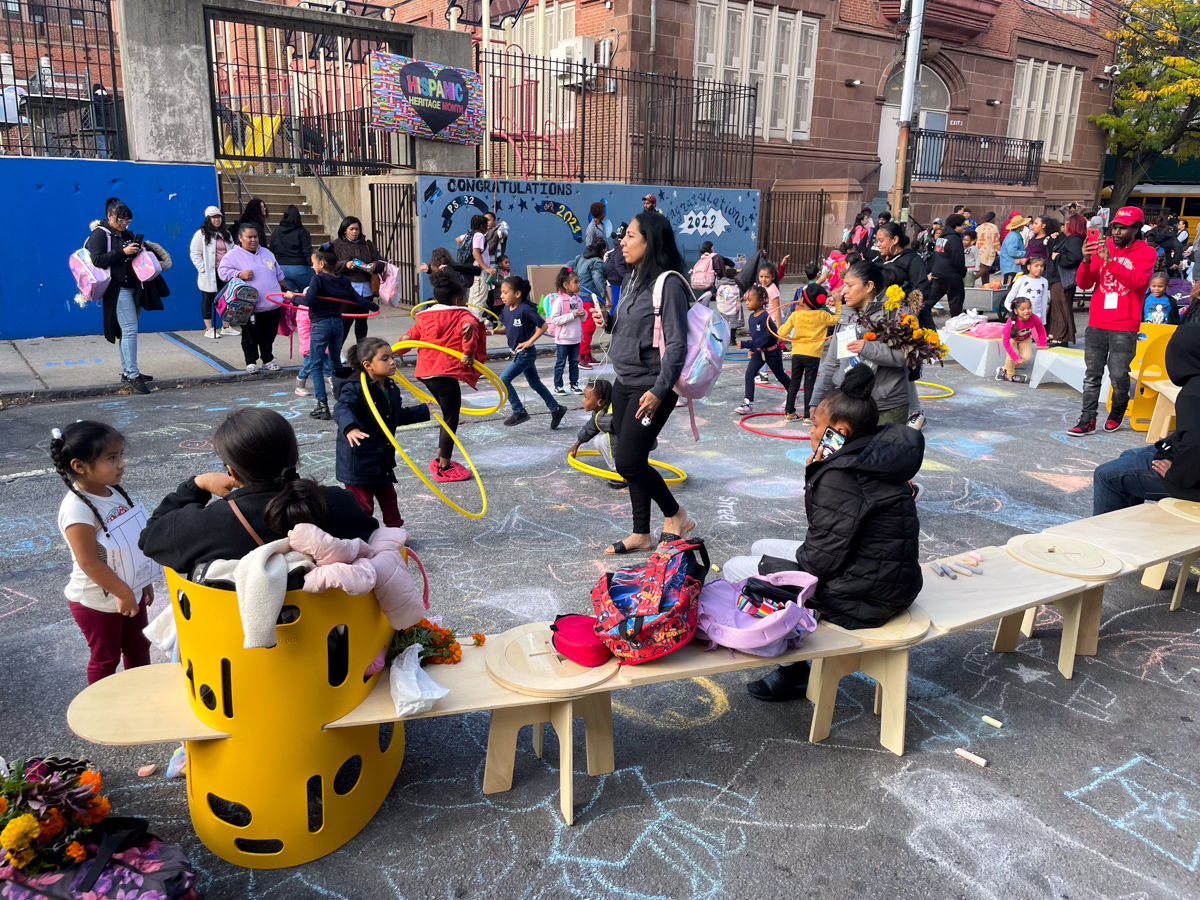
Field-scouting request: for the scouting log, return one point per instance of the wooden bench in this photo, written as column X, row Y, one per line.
column 1163, row 419
column 1064, row 365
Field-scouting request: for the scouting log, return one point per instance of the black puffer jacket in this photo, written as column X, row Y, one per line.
column 863, row 534
column 911, row 269
column 1182, row 446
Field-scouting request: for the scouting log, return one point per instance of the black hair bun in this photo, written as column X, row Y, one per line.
column 859, row 382
column 443, row 278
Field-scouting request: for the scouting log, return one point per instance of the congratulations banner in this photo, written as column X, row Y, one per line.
column 431, row 101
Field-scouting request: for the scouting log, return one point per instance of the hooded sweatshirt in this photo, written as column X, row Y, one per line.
column 912, row 271
column 292, row 245
column 863, row 533
column 949, row 259
column 891, row 373
column 1120, row 284
column 1182, row 446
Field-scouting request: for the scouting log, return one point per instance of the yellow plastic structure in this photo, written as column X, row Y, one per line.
column 281, row 791
column 457, row 354
column 1150, row 364
column 259, row 136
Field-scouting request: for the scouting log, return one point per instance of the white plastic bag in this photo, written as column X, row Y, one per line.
column 412, row 690
column 964, row 321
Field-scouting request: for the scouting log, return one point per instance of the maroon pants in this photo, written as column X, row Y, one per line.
column 365, row 494
column 108, row 636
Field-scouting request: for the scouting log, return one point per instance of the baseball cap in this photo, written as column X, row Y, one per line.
column 648, row 197
column 1128, row 215
column 213, row 211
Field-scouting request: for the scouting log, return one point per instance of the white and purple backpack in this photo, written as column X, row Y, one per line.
column 91, row 280
column 723, row 624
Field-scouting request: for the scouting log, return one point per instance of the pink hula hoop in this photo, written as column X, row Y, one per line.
column 369, row 315
column 786, row 437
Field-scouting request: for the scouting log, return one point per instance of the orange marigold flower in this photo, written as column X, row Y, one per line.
column 51, row 826
column 3, row 806
column 869, row 336
column 75, row 852
column 91, row 777
column 478, row 639
column 97, row 812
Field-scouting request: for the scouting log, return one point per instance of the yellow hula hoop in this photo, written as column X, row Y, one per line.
column 680, row 475
column 479, row 367
column 412, row 310
column 429, row 484
column 947, row 391
column 486, row 312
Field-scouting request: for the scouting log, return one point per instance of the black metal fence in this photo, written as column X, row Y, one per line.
column 581, row 122
column 974, row 158
column 298, row 97
column 59, row 88
column 394, row 231
column 792, row 224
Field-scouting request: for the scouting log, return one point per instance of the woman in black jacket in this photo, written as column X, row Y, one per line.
column 643, row 395
column 1066, row 255
column 292, row 245
column 260, row 453
column 906, row 264
column 863, row 535
column 111, row 246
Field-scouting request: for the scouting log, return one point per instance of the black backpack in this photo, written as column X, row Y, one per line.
column 466, row 255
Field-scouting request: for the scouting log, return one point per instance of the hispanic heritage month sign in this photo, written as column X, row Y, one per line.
column 438, row 103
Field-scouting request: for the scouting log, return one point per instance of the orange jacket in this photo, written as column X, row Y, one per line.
column 443, row 325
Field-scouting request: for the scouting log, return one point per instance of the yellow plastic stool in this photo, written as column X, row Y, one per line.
column 282, row 791
column 1152, row 366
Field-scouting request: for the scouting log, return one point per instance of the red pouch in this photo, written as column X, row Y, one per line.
column 575, row 638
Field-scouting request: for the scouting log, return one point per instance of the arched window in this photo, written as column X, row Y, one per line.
column 932, row 92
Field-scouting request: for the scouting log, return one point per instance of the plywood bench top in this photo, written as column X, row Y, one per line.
column 1006, row 586
column 1140, row 536
column 1166, row 387
column 146, row 705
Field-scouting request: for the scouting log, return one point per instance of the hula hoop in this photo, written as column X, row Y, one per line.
column 949, row 391
column 739, row 357
column 478, row 366
column 786, row 437
column 574, row 463
column 485, row 311
column 454, row 437
column 412, row 310
column 368, row 315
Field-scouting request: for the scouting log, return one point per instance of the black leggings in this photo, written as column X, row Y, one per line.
column 208, row 298
column 359, row 328
column 634, row 441
column 760, row 358
column 448, row 393
column 258, row 336
column 810, row 366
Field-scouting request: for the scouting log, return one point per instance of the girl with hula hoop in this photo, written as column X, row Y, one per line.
column 448, row 323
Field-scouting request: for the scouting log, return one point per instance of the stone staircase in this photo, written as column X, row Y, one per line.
column 278, row 192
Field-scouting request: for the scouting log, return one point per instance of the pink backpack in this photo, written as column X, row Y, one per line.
column 91, row 280
column 703, row 274
column 721, row 623
column 146, row 266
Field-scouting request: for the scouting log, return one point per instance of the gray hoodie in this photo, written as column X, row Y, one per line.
column 637, row 362
column 891, row 375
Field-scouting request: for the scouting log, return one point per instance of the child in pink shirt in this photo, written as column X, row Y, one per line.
column 1020, row 331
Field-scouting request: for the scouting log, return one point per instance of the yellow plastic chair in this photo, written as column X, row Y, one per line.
column 281, row 790
column 1148, row 334
column 1151, row 367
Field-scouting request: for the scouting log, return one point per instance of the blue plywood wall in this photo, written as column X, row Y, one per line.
column 546, row 218
column 53, row 202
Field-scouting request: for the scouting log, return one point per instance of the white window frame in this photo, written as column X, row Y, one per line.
column 1080, row 9
column 560, row 25
column 730, row 64
column 1045, row 106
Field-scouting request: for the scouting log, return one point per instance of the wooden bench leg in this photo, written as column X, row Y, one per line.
column 1154, row 576
column 1089, row 622
column 889, row 668
column 1072, row 615
column 562, row 717
column 822, row 690
column 596, row 710
column 1028, row 621
column 1185, row 569
column 502, row 743
column 878, row 698
column 539, row 729
column 1007, row 633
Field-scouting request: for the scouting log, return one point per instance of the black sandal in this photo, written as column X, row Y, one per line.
column 779, row 688
column 619, row 549
column 668, row 536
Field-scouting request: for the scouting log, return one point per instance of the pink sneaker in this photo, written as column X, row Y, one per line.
column 452, row 472
column 462, row 472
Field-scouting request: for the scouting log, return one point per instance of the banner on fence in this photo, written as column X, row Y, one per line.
column 425, row 99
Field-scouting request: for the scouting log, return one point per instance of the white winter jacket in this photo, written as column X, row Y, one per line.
column 204, row 258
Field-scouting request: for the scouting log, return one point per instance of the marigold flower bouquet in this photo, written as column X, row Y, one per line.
column 438, row 644
column 48, row 806
column 899, row 328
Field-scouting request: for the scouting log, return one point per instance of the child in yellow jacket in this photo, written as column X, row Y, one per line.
column 808, row 325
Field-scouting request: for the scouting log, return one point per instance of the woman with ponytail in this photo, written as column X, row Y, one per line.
column 89, row 458
column 260, row 496
column 863, row 535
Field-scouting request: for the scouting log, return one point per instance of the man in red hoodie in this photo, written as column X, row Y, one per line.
column 1119, row 268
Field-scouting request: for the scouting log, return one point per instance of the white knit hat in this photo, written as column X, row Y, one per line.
column 213, row 211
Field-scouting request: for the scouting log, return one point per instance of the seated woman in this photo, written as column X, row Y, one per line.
column 863, row 534
column 260, row 492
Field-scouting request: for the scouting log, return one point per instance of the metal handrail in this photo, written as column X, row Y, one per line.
column 287, row 136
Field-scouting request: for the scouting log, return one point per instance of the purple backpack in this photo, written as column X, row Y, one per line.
column 721, row 623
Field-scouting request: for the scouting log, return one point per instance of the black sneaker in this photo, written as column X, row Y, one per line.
column 517, row 418
column 137, row 382
column 556, row 417
column 1084, row 426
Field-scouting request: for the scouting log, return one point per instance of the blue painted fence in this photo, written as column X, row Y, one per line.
column 51, row 203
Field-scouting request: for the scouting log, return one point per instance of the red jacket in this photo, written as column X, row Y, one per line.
column 1126, row 275
column 443, row 325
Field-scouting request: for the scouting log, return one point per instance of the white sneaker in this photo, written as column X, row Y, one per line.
column 272, row 366
column 746, row 408
column 229, row 329
column 761, row 378
column 252, row 368
column 917, row 420
column 560, row 391
column 212, row 333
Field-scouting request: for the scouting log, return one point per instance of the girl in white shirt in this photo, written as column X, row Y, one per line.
column 1032, row 286
column 89, row 457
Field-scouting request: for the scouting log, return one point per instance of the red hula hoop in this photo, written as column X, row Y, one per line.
column 786, row 437
column 369, row 315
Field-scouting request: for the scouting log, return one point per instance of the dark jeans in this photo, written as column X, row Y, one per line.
column 1126, row 481
column 358, row 326
column 110, row 635
column 325, row 337
column 258, row 336
column 810, row 366
column 1115, row 349
column 770, row 358
column 950, row 288
column 448, row 393
column 634, row 441
column 525, row 363
column 567, row 353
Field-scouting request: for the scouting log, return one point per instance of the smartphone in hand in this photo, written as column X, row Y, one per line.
column 138, row 238
column 1093, row 236
column 831, row 442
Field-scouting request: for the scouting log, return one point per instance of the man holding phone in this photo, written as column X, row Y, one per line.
column 1119, row 268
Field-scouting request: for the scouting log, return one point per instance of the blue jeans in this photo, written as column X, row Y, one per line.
column 324, row 353
column 1127, row 481
column 525, row 363
column 566, row 353
column 127, row 319
column 297, row 278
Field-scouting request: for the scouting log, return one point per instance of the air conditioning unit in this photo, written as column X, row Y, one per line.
column 709, row 106
column 578, row 50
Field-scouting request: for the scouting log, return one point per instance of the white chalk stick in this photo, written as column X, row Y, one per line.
column 971, row 757
column 995, row 723
column 961, row 570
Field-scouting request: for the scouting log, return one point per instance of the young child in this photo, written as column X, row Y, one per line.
column 566, row 321
column 325, row 317
column 503, row 270
column 304, row 330
column 597, row 400
column 448, row 323
column 1160, row 308
column 89, row 457
column 366, row 460
column 1032, row 286
column 971, row 255
column 835, row 265
column 810, row 320
column 763, row 345
column 766, row 279
column 1020, row 330
column 522, row 326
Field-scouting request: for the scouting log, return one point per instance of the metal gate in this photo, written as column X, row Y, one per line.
column 394, row 231
column 792, row 225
